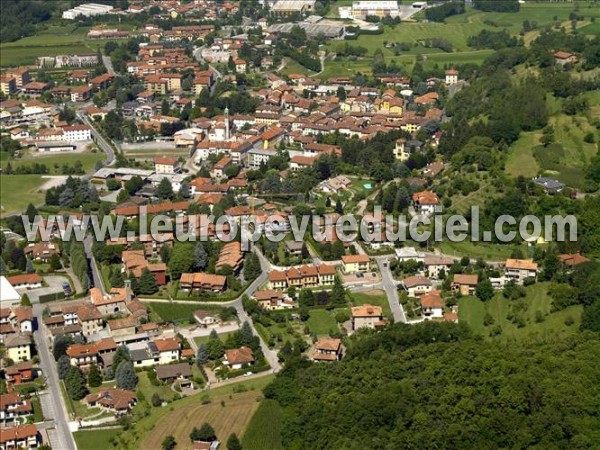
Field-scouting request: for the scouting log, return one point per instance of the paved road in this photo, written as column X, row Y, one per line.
column 99, row 139
column 53, row 406
column 391, row 290
column 108, row 64
column 97, row 277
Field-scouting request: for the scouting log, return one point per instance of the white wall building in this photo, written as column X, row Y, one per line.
column 86, row 10
column 379, row 8
column 77, row 133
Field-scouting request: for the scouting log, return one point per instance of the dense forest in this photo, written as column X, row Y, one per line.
column 19, row 17
column 436, row 386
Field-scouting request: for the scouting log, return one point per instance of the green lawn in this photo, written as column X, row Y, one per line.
column 375, row 297
column 485, row 250
column 472, row 311
column 591, row 29
column 264, row 429
column 95, row 439
column 144, row 385
column 520, row 161
column 20, row 190
column 54, row 163
column 222, row 336
column 322, row 322
column 178, row 311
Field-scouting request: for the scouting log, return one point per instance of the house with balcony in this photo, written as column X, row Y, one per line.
column 327, row 349
column 520, row 269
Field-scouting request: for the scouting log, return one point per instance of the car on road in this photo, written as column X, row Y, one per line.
column 385, row 264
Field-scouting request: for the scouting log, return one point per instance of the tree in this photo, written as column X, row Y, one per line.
column 125, row 376
column 75, row 383
column 169, row 443
column 147, row 283
column 214, row 349
column 156, row 400
column 200, row 257
column 204, row 433
column 165, row 108
column 29, row 266
column 55, row 263
column 252, row 268
column 246, row 335
column 31, row 212
column 165, row 189
column 122, row 354
column 94, row 376
column 233, row 443
column 338, row 293
column 484, row 290
column 3, row 268
column 117, row 280
column 25, row 300
column 202, row 355
column 181, row 260
column 341, row 93
column 339, row 208
column 61, row 343
column 590, row 317
column 62, row 366
column 184, row 190
column 305, row 253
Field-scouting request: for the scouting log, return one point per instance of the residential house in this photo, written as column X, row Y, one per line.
column 13, row 407
column 18, row 373
column 8, row 84
column 417, row 285
column 327, row 349
column 173, row 372
column 425, row 202
column 166, row 165
column 294, row 248
column 451, row 76
column 19, row 437
column 81, row 93
column 25, row 281
column 119, row 401
column 436, row 266
column 240, row 65
column 549, row 185
column 271, row 300
column 367, row 316
column 83, row 355
column 202, row 281
column 90, row 319
column 134, row 261
column 465, row 284
column 169, row 349
column 302, row 276
column 42, row 251
column 571, row 260
column 356, row 263
column 237, row 358
column 18, row 347
column 207, row 318
column 564, row 58
column 432, row 305
column 520, row 269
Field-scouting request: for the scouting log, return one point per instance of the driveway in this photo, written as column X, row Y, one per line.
column 54, row 286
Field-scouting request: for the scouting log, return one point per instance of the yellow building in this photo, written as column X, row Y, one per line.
column 156, row 84
column 356, row 263
column 8, row 84
column 18, row 347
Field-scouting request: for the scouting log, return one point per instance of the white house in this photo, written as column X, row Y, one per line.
column 77, row 133
column 417, row 285
column 432, row 306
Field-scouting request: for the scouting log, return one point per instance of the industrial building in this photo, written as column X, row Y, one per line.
column 86, row 10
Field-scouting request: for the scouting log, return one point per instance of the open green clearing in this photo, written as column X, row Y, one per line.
column 456, row 30
column 20, row 190
column 475, row 250
column 520, row 161
column 166, row 312
column 472, row 311
column 222, row 336
column 264, row 429
column 95, row 439
column 322, row 322
column 55, row 162
column 375, row 297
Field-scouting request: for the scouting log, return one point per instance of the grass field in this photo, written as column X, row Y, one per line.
column 95, row 439
column 520, row 161
column 375, row 297
column 20, row 190
column 485, row 250
column 55, row 162
column 472, row 311
column 144, row 385
column 456, row 30
column 264, row 430
column 322, row 322
column 178, row 311
column 181, row 416
column 222, row 336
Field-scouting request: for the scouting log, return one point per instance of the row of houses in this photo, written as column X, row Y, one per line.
column 302, row 276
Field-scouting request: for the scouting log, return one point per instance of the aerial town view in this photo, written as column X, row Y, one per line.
column 299, row 224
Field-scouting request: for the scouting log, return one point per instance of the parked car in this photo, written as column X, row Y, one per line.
column 67, row 288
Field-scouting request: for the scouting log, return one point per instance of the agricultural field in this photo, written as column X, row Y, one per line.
column 20, row 190
column 228, row 409
column 473, row 311
column 264, row 430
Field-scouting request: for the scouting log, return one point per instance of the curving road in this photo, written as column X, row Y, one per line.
column 98, row 138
